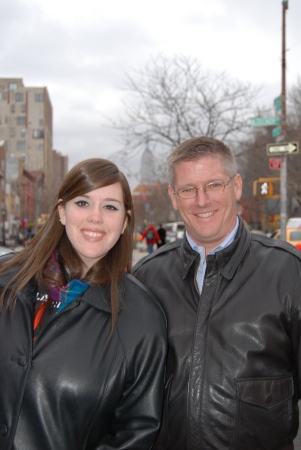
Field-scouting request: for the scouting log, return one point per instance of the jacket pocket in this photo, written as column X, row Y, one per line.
column 264, row 413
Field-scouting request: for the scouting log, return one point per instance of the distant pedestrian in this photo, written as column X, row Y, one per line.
column 150, row 234
column 162, row 233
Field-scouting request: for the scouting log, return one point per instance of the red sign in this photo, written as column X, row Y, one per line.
column 275, row 163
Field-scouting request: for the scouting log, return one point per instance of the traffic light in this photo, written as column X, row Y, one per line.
column 265, row 188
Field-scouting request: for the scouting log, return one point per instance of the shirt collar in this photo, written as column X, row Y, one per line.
column 227, row 241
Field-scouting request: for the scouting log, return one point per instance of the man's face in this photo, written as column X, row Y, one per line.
column 208, row 219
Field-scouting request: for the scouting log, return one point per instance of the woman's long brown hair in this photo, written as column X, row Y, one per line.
column 85, row 177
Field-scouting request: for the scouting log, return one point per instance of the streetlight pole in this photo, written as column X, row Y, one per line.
column 283, row 172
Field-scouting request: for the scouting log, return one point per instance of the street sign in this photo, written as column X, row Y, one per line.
column 265, row 121
column 284, row 148
column 275, row 163
column 276, row 131
column 278, row 103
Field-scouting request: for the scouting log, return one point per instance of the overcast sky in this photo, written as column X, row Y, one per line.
column 81, row 51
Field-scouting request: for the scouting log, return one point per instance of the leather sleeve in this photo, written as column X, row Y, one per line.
column 137, row 416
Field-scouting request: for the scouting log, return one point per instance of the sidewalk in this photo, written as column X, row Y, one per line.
column 138, row 254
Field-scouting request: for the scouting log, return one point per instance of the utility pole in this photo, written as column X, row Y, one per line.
column 283, row 172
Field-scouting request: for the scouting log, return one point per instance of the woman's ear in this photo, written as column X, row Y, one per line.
column 128, row 213
column 62, row 214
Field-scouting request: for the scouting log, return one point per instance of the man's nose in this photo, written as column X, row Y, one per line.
column 202, row 198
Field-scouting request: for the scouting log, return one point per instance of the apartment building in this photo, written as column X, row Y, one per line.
column 26, row 129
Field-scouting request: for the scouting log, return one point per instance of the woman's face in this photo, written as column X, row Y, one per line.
column 94, row 222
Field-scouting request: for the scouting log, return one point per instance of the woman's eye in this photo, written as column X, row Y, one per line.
column 111, row 207
column 81, row 203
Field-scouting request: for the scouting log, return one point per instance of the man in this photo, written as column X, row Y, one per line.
column 162, row 234
column 233, row 304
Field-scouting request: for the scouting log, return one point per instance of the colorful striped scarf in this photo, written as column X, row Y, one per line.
column 64, row 294
column 60, row 296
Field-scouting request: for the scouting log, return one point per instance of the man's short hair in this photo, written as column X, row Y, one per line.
column 201, row 147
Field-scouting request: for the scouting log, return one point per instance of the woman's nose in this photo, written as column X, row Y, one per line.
column 96, row 216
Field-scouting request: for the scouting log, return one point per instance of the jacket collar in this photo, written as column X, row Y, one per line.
column 189, row 257
column 100, row 296
column 228, row 259
column 97, row 296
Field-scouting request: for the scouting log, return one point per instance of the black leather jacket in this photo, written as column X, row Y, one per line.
column 74, row 388
column 234, row 359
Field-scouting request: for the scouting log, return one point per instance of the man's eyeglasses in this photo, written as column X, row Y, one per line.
column 214, row 188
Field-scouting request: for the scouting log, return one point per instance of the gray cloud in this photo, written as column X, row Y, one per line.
column 83, row 58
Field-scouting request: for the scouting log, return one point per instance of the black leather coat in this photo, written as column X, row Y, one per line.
column 234, row 359
column 74, row 388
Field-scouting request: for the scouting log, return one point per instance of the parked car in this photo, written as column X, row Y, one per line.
column 293, row 236
column 5, row 250
column 174, row 230
column 294, row 222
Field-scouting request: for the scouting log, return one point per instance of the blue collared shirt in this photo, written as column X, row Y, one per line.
column 201, row 250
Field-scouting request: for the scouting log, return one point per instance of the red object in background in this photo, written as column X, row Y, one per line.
column 275, row 163
column 298, row 246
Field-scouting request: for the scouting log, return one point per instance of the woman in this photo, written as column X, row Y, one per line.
column 82, row 343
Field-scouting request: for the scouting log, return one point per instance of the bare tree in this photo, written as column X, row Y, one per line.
column 174, row 99
column 152, row 204
column 294, row 106
column 294, row 161
column 255, row 164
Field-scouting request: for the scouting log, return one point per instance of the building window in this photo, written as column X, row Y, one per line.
column 21, row 145
column 23, row 108
column 12, row 132
column 12, row 108
column 38, row 134
column 19, row 97
column 21, row 120
column 12, row 86
column 38, row 97
column 23, row 132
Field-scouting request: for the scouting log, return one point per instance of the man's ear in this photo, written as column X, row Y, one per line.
column 238, row 186
column 173, row 198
